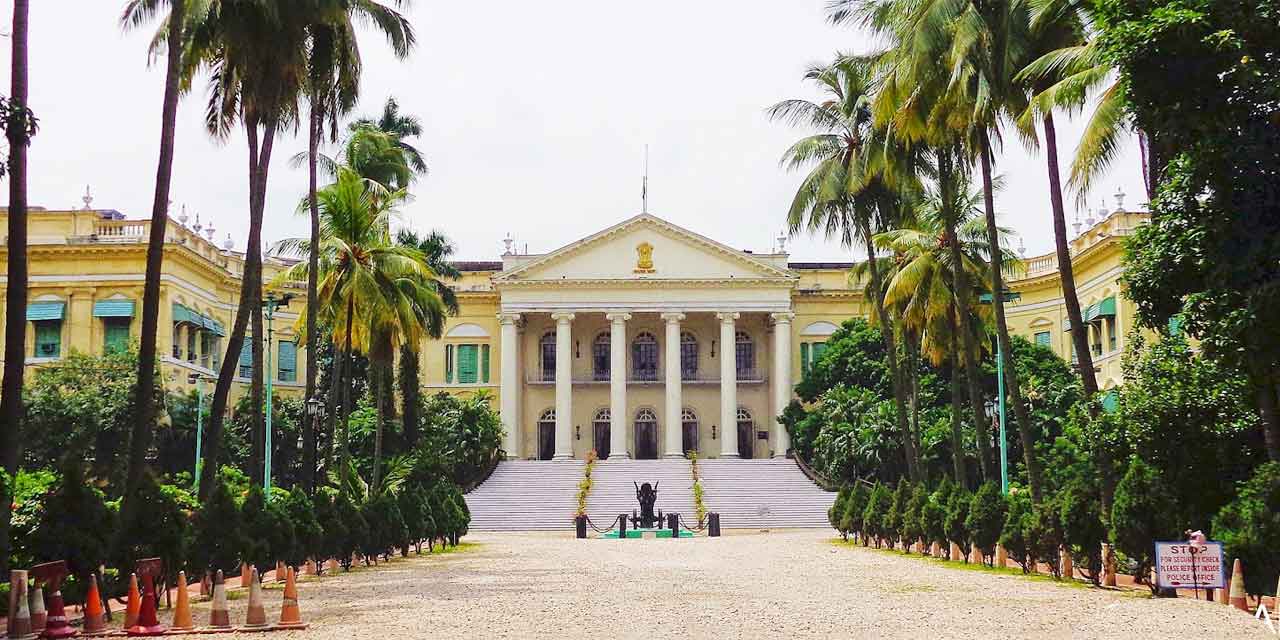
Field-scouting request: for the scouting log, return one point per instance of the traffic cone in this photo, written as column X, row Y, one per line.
column 219, row 616
column 19, row 627
column 134, row 604
column 94, row 622
column 290, row 615
column 148, row 624
column 280, row 571
column 255, row 619
column 35, row 604
column 57, row 626
column 1238, row 598
column 244, row 575
column 182, row 609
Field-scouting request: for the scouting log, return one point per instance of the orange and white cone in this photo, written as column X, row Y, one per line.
column 134, row 604
column 244, row 575
column 290, row 615
column 35, row 604
column 280, row 571
column 255, row 619
column 94, row 622
column 19, row 627
column 57, row 626
column 1238, row 598
column 182, row 608
column 219, row 615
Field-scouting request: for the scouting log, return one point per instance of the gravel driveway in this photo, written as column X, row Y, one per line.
column 793, row 584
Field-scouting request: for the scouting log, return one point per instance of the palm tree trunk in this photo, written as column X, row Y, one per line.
column 376, row 372
column 144, row 397
column 331, row 404
column 313, row 332
column 15, row 331
column 250, row 299
column 962, row 296
column 1002, row 329
column 957, row 434
column 1079, row 333
column 891, row 351
column 409, row 394
column 344, row 462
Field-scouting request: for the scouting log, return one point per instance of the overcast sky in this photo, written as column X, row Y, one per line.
column 535, row 116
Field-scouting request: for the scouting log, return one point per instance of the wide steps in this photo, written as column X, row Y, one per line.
column 764, row 494
column 613, row 489
column 527, row 495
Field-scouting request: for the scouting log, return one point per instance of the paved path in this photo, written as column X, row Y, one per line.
column 794, row 584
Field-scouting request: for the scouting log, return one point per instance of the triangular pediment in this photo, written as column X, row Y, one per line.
column 645, row 247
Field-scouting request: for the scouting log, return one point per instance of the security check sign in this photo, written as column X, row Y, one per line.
column 1189, row 565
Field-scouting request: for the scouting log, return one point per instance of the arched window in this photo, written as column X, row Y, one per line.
column 602, row 416
column 646, row 433
column 746, row 434
column 547, row 434
column 549, row 417
column 600, row 432
column 744, row 415
column 688, row 355
column 646, row 416
column 547, row 354
column 688, row 430
column 644, row 357
column 600, row 357
column 745, row 355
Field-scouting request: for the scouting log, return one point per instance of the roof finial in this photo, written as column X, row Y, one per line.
column 87, row 198
column 507, row 242
column 644, row 187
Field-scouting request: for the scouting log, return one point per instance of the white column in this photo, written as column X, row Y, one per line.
column 618, row 385
column 673, row 385
column 509, row 391
column 781, row 380
column 728, row 387
column 564, row 386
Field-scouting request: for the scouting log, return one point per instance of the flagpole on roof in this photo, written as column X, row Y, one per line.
column 644, row 188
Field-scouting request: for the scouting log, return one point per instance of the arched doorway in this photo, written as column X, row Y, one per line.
column 646, row 428
column 600, row 428
column 547, row 435
column 746, row 434
column 688, row 430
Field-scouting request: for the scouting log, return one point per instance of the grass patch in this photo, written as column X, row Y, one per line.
column 969, row 566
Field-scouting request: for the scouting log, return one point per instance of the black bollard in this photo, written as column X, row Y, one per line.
column 673, row 521
column 580, row 523
column 622, row 526
column 713, row 525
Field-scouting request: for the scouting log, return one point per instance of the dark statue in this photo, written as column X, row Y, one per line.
column 646, row 495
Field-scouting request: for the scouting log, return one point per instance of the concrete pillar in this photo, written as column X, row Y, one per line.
column 509, row 381
column 781, row 380
column 618, row 385
column 728, row 387
column 673, row 385
column 564, row 386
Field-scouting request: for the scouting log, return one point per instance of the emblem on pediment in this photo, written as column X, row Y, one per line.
column 644, row 258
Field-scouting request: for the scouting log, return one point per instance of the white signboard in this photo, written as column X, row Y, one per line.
column 1189, row 565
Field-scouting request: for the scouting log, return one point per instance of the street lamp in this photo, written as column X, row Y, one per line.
column 198, row 380
column 270, row 304
column 1004, row 441
column 314, row 409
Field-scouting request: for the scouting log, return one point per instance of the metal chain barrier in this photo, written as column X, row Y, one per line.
column 598, row 529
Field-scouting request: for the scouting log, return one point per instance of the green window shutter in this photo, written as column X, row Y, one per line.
column 115, row 334
column 288, row 363
column 113, row 309
column 804, row 358
column 37, row 311
column 1175, row 325
column 1110, row 401
column 819, row 348
column 467, row 363
column 484, row 363
column 246, row 357
column 48, row 338
column 448, row 364
column 1043, row 339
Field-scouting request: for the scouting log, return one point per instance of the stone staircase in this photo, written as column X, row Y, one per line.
column 527, row 495
column 533, row 495
column 765, row 494
column 613, row 491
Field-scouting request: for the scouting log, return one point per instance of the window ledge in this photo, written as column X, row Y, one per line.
column 43, row 360
column 461, row 385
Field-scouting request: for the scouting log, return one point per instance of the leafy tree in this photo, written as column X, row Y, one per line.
column 75, row 525
column 159, row 527
column 855, row 506
column 1080, row 513
column 1141, row 515
column 1042, row 531
column 348, row 538
column 1249, row 528
column 958, row 532
column 308, row 532
column 913, row 529
column 1013, row 533
column 933, row 515
column 268, row 534
column 219, row 531
column 873, row 516
column 985, row 520
column 835, row 514
column 852, row 356
column 893, row 517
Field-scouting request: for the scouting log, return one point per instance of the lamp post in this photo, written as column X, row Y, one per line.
column 1004, row 441
column 198, row 380
column 313, row 408
column 269, row 304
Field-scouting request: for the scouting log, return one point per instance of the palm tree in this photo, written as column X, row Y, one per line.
column 136, row 13
column 843, row 196
column 399, row 126
column 19, row 129
column 256, row 54
column 437, row 249
column 371, row 289
column 333, row 83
